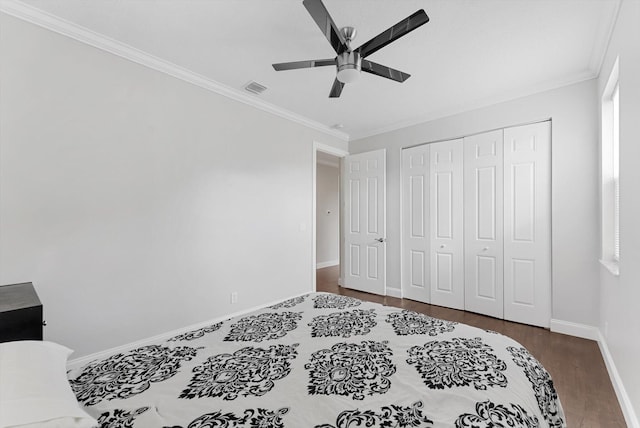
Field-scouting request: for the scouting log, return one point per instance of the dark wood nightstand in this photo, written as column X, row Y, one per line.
column 20, row 313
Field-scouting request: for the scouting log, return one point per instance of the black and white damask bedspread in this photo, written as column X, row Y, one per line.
column 323, row 361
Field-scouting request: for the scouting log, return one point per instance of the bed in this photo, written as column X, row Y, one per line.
column 324, row 361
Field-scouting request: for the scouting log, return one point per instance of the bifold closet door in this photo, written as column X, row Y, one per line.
column 415, row 224
column 527, row 224
column 483, row 223
column 446, row 223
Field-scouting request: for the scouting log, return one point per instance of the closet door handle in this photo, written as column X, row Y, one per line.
column 380, row 239
column 485, row 249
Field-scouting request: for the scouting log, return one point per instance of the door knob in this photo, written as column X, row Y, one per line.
column 442, row 246
column 485, row 248
column 380, row 239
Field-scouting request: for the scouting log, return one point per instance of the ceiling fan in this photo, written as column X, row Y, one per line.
column 349, row 62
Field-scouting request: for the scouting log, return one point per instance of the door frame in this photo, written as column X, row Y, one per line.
column 334, row 151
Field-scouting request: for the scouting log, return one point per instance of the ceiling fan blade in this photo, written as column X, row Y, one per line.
column 320, row 14
column 384, row 71
column 304, row 64
column 391, row 34
column 336, row 89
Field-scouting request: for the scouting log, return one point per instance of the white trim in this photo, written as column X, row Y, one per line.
column 612, row 266
column 329, row 149
column 394, row 292
column 623, row 398
column 609, row 227
column 79, row 362
column 593, row 333
column 327, row 264
column 56, row 24
column 402, row 202
column 340, row 282
column 603, row 41
column 574, row 329
column 328, row 163
column 51, row 22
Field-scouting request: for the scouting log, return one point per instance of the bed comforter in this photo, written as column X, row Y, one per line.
column 323, row 361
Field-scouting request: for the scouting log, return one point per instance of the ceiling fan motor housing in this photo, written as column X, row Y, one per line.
column 349, row 65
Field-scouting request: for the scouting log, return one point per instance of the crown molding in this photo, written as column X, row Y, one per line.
column 486, row 102
column 56, row 24
column 53, row 23
column 603, row 39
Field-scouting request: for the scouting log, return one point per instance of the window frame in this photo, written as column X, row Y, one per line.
column 615, row 100
column 610, row 173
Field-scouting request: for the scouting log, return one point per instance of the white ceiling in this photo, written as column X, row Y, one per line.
column 471, row 53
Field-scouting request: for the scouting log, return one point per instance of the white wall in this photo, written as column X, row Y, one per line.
column 135, row 202
column 573, row 111
column 620, row 296
column 327, row 215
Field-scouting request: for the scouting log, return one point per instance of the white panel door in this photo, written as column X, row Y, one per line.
column 446, row 224
column 527, row 220
column 364, row 221
column 415, row 224
column 483, row 225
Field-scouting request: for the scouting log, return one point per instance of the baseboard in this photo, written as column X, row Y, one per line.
column 327, row 264
column 574, row 329
column 625, row 402
column 394, row 292
column 593, row 333
column 79, row 362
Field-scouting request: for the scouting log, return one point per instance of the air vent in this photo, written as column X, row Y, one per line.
column 255, row 88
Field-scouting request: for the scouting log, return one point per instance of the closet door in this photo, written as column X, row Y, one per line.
column 527, row 219
column 446, row 224
column 483, row 223
column 415, row 224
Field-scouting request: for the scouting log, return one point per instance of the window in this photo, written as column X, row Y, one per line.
column 610, row 156
column 615, row 100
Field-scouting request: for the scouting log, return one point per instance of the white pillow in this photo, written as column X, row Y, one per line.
column 34, row 390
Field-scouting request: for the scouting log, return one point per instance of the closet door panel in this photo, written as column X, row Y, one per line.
column 446, row 223
column 483, row 223
column 527, row 224
column 415, row 224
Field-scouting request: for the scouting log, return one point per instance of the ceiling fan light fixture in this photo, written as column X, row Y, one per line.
column 349, row 66
column 348, row 74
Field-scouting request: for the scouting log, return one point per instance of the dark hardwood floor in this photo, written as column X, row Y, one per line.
column 576, row 365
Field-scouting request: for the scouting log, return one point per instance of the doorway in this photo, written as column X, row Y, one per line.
column 326, row 209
